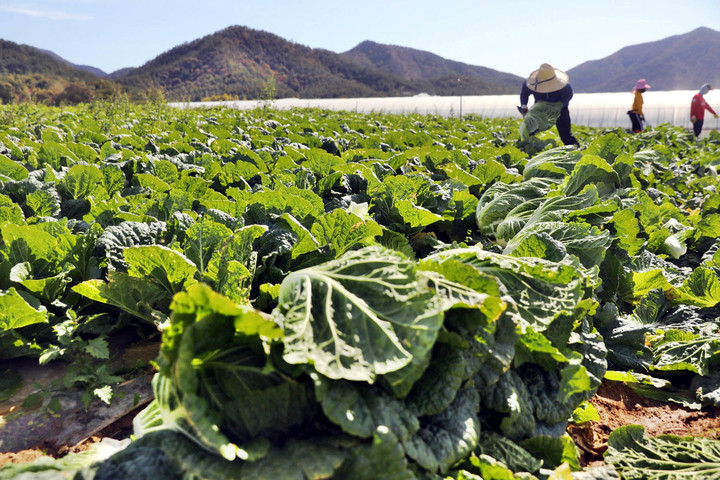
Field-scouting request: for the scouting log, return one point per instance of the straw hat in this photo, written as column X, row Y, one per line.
column 642, row 84
column 547, row 79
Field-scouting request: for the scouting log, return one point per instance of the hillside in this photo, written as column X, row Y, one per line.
column 25, row 60
column 88, row 68
column 239, row 61
column 680, row 62
column 418, row 65
column 30, row 73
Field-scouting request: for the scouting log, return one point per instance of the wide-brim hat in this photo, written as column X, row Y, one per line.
column 547, row 79
column 642, row 85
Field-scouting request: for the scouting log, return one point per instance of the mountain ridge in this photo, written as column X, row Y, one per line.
column 678, row 62
column 241, row 62
column 243, row 56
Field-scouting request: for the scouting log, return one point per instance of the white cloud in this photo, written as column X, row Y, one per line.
column 51, row 15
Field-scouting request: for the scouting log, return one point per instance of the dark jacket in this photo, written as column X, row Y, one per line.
column 563, row 95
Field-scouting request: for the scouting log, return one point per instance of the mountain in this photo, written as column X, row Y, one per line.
column 418, row 65
column 19, row 59
column 680, row 62
column 30, row 73
column 238, row 61
column 94, row 70
column 121, row 72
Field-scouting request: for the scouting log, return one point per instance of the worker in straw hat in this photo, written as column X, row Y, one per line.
column 697, row 109
column 552, row 93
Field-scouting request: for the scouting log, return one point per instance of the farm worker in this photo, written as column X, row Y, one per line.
column 636, row 113
column 552, row 93
column 697, row 109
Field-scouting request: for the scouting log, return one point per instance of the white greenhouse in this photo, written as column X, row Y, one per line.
column 604, row 110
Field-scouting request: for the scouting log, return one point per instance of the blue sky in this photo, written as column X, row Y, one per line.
column 513, row 36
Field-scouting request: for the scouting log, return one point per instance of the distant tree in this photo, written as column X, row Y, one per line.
column 74, row 93
column 7, row 93
column 106, row 89
column 43, row 96
column 155, row 95
column 269, row 93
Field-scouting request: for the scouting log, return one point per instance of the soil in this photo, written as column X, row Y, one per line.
column 119, row 430
column 619, row 405
column 27, row 433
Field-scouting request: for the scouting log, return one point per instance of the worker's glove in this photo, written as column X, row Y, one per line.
column 642, row 117
column 523, row 110
column 715, row 115
column 693, row 119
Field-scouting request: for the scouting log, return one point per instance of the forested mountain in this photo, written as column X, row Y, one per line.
column 243, row 63
column 446, row 76
column 88, row 68
column 28, row 73
column 680, row 62
column 23, row 60
column 238, row 61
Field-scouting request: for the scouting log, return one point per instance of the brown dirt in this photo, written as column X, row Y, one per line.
column 117, row 426
column 619, row 405
column 119, row 430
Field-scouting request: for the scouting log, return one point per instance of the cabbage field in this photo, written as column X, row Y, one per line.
column 336, row 295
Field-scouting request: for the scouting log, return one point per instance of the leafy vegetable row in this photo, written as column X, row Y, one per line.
column 351, row 296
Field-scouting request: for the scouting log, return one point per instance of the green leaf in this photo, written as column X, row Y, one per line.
column 508, row 452
column 44, row 247
column 540, row 289
column 587, row 243
column 12, row 169
column 306, row 242
column 639, row 457
column 344, row 231
column 17, row 312
column 82, row 181
column 383, row 458
column 104, row 393
column 146, row 180
column 585, row 412
column 627, row 228
column 592, row 170
column 489, row 468
column 701, row 289
column 48, row 289
column 168, row 268
column 213, row 383
column 574, row 380
column 98, row 348
column 137, row 296
column 448, row 437
column 116, row 238
column 682, row 350
column 360, row 409
column 365, row 314
column 554, row 451
column 500, row 199
column 414, row 215
column 202, row 239
column 555, row 163
column 56, row 155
